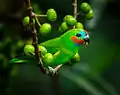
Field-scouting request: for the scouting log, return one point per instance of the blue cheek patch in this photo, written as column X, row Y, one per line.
column 82, row 34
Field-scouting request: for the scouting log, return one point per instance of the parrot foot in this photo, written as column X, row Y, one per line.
column 51, row 71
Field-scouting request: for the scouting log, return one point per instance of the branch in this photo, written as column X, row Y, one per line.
column 31, row 14
column 34, row 35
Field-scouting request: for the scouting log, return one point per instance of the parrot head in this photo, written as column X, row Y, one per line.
column 75, row 38
column 81, row 37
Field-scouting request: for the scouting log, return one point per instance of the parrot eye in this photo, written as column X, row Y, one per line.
column 78, row 35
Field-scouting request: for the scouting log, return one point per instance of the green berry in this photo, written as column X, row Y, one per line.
column 48, row 58
column 64, row 26
column 89, row 15
column 51, row 14
column 42, row 49
column 67, row 17
column 70, row 20
column 79, row 25
column 60, row 29
column 45, row 28
column 85, row 7
column 76, row 57
column 74, row 60
column 26, row 21
column 29, row 49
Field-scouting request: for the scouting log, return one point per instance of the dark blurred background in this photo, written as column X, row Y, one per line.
column 96, row 74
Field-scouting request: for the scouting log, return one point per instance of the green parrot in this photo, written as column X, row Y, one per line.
column 65, row 47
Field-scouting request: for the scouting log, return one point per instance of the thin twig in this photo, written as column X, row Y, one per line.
column 75, row 8
column 41, row 15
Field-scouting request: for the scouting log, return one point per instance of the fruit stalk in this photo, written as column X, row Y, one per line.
column 34, row 35
column 41, row 15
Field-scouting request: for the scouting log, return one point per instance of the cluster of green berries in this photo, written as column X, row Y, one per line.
column 45, row 28
column 46, row 57
column 87, row 10
column 68, row 22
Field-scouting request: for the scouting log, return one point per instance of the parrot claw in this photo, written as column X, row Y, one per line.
column 51, row 71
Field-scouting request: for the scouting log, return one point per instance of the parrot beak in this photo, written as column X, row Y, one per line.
column 86, row 40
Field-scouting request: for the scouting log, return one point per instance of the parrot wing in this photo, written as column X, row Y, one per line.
column 62, row 56
column 52, row 45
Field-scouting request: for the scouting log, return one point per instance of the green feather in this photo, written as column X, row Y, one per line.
column 17, row 60
column 22, row 59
